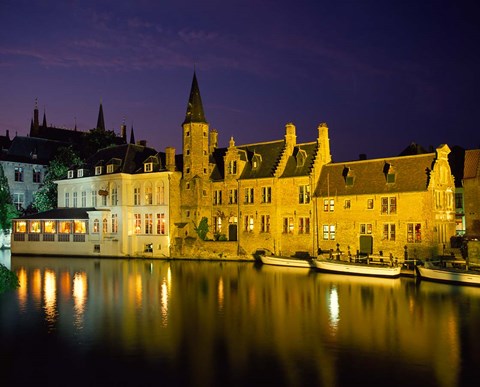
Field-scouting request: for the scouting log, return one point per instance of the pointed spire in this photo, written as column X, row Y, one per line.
column 132, row 136
column 123, row 131
column 75, row 129
column 35, row 115
column 195, row 108
column 44, row 123
column 100, row 121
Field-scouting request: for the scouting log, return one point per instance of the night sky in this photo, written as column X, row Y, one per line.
column 382, row 74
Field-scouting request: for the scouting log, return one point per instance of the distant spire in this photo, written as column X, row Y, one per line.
column 123, row 131
column 75, row 129
column 132, row 136
column 35, row 115
column 195, row 108
column 44, row 123
column 100, row 121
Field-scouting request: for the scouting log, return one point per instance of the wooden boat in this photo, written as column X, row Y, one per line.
column 356, row 268
column 304, row 262
column 453, row 275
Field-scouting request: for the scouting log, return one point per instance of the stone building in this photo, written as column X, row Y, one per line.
column 471, row 192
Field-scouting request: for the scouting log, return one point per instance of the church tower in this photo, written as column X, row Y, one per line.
column 195, row 136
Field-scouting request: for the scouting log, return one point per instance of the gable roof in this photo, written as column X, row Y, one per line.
column 301, row 161
column 412, row 173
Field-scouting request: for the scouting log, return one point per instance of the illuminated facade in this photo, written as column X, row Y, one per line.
column 117, row 206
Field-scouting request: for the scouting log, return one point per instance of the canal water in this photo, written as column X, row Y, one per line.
column 91, row 322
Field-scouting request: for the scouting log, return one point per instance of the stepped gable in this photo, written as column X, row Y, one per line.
column 131, row 157
column 266, row 156
column 301, row 161
column 369, row 177
column 32, row 150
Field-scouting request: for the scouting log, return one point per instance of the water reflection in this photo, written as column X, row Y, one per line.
column 213, row 323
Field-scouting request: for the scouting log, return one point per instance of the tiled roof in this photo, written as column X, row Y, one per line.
column 369, row 177
column 300, row 163
column 267, row 156
column 472, row 160
column 61, row 214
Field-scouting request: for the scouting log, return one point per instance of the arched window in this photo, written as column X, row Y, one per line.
column 160, row 193
column 148, row 194
column 96, row 226
column 105, row 225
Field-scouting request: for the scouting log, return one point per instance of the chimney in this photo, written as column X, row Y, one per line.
column 123, row 131
column 290, row 137
column 142, row 142
column 170, row 158
column 362, row 156
column 213, row 140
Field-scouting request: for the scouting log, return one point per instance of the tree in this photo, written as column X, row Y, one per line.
column 46, row 197
column 97, row 139
column 7, row 208
column 202, row 228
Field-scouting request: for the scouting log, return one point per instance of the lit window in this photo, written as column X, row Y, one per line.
column 110, row 168
column 98, row 170
column 80, row 226
column 96, row 226
column 35, row 226
column 148, row 167
column 304, row 194
column 148, row 224
column 49, row 226
column 70, row 174
column 64, row 227
column 80, row 173
column 114, row 223
column 138, row 223
column 21, row 226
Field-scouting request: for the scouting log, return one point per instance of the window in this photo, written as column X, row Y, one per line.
column 347, row 204
column 37, row 176
column 84, row 198
column 21, row 226
column 114, row 223
column 80, row 173
column 49, row 226
column 414, row 232
column 389, row 205
column 217, row 224
column 80, row 226
column 75, row 201
column 98, row 170
column 70, row 174
column 64, row 227
column 34, row 226
column 18, row 200
column 390, row 177
column 160, row 193
column 369, row 204
column 349, row 180
column 328, row 232
column 304, row 194
column 114, row 197
column 328, row 205
column 148, row 167
column 187, row 186
column 389, row 231
column 288, row 225
column 265, row 223
column 138, row 223
column 94, row 198
column 365, row 228
column 148, row 224
column 249, row 195
column 148, row 195
column 188, row 170
column 217, row 197
column 232, row 167
column 96, row 226
column 232, row 197
column 136, row 196
column 104, row 200
column 304, row 225
column 458, row 200
column 161, row 224
column 248, row 223
column 266, row 194
column 148, row 248
column 105, row 225
column 18, row 174
column 110, row 168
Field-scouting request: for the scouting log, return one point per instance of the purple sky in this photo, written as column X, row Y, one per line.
column 382, row 74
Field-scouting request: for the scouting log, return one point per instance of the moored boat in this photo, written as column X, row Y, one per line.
column 367, row 269
column 304, row 262
column 451, row 275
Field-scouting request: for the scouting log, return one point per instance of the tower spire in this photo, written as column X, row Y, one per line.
column 195, row 107
column 100, row 120
column 44, row 123
column 132, row 136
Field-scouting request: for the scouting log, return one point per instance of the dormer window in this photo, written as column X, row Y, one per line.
column 110, row 168
column 301, row 156
column 98, row 170
column 348, row 175
column 256, row 160
column 349, row 180
column 148, row 167
column 390, row 177
column 232, row 167
column 80, row 173
column 389, row 172
column 70, row 174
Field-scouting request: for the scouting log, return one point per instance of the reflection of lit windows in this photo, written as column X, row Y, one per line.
column 49, row 226
column 34, row 226
column 20, row 226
